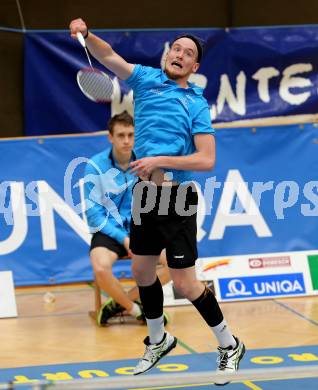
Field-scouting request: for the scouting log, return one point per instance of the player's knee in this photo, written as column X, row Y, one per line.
column 143, row 278
column 103, row 270
column 182, row 287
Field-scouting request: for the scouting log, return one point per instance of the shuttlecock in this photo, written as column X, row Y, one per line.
column 49, row 297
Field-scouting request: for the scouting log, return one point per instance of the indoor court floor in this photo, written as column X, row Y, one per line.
column 60, row 341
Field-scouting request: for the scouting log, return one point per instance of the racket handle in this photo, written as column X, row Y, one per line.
column 81, row 39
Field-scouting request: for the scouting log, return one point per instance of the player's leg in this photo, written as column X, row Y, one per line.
column 102, row 261
column 187, row 285
column 104, row 252
column 146, row 244
column 159, row 342
column 163, row 274
column 150, row 292
column 164, row 277
column 181, row 257
column 231, row 349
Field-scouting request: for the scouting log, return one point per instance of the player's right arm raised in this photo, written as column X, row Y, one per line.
column 102, row 51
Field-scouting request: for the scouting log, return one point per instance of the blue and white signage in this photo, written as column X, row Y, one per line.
column 252, row 287
column 249, row 204
column 245, row 73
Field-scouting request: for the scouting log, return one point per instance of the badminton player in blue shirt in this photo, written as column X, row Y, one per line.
column 173, row 136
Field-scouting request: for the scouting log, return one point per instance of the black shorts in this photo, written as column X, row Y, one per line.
column 102, row 240
column 165, row 226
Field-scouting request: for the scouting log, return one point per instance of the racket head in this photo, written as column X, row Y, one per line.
column 95, row 85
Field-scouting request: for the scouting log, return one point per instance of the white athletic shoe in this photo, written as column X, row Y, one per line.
column 154, row 352
column 228, row 360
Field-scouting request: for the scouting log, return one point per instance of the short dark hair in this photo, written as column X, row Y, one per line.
column 198, row 42
column 124, row 118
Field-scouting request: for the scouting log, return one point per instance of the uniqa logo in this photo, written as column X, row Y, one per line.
column 237, row 287
column 284, row 286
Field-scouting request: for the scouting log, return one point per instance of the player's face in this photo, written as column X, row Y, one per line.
column 181, row 59
column 122, row 138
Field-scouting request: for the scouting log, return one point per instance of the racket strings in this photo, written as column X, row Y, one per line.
column 95, row 84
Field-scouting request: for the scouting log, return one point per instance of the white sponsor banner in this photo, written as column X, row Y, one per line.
column 254, row 264
column 254, row 276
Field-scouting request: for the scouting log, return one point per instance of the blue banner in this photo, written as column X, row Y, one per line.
column 262, row 286
column 262, row 197
column 246, row 73
column 37, row 237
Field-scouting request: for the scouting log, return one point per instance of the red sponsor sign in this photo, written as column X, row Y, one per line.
column 267, row 262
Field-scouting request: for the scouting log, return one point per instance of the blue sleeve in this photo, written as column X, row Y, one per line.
column 135, row 80
column 96, row 213
column 202, row 122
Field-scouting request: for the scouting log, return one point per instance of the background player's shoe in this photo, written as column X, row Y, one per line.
column 142, row 316
column 229, row 359
column 154, row 352
column 108, row 310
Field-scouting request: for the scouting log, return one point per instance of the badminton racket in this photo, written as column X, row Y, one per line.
column 95, row 84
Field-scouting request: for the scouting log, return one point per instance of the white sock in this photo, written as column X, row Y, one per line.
column 156, row 329
column 224, row 335
column 135, row 310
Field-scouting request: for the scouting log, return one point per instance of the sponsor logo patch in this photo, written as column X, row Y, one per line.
column 268, row 262
column 216, row 264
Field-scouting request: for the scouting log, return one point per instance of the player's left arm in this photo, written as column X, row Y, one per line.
column 203, row 159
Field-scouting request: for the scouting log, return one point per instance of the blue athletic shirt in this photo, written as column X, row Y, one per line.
column 108, row 195
column 167, row 116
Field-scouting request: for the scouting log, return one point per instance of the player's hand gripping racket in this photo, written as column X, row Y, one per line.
column 95, row 84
